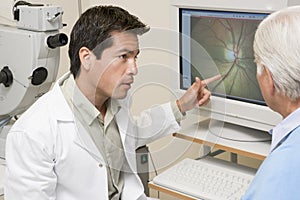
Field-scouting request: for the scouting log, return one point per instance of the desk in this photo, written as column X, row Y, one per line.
column 170, row 192
column 200, row 134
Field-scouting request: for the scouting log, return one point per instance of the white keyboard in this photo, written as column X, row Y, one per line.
column 207, row 179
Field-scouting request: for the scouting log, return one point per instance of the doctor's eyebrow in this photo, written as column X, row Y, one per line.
column 137, row 51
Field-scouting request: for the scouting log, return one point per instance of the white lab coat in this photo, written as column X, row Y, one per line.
column 51, row 157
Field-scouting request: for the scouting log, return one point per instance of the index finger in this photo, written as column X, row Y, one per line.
column 211, row 79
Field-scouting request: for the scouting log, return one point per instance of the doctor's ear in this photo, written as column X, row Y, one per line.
column 85, row 57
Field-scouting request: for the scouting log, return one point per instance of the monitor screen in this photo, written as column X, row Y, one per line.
column 220, row 43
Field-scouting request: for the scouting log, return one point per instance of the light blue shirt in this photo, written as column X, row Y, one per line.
column 278, row 178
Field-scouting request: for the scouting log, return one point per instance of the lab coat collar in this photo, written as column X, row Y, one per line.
column 61, row 110
column 63, row 113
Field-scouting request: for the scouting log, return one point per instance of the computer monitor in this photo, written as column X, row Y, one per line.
column 216, row 38
column 223, row 41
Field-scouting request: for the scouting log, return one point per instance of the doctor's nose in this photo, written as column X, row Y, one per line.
column 132, row 69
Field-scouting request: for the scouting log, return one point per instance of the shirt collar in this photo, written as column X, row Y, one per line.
column 112, row 108
column 83, row 105
column 281, row 131
column 78, row 101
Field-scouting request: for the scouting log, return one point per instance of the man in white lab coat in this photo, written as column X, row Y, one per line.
column 78, row 141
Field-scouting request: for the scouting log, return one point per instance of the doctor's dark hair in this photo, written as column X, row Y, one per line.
column 95, row 26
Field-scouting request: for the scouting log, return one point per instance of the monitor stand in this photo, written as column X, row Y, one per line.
column 235, row 132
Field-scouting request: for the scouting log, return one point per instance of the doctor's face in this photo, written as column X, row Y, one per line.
column 117, row 67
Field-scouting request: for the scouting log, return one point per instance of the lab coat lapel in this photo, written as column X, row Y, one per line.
column 84, row 140
column 63, row 113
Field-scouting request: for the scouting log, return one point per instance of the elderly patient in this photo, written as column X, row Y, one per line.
column 277, row 55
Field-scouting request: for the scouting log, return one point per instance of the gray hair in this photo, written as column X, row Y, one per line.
column 277, row 47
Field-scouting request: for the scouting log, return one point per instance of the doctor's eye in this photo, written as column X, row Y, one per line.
column 123, row 56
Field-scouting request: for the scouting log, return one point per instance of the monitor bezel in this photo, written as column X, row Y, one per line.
column 181, row 65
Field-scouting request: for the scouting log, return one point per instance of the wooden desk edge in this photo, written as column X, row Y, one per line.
column 219, row 146
column 169, row 191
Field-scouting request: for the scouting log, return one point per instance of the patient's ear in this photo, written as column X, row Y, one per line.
column 270, row 81
column 85, row 58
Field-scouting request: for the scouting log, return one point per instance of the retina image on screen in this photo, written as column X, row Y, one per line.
column 227, row 39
